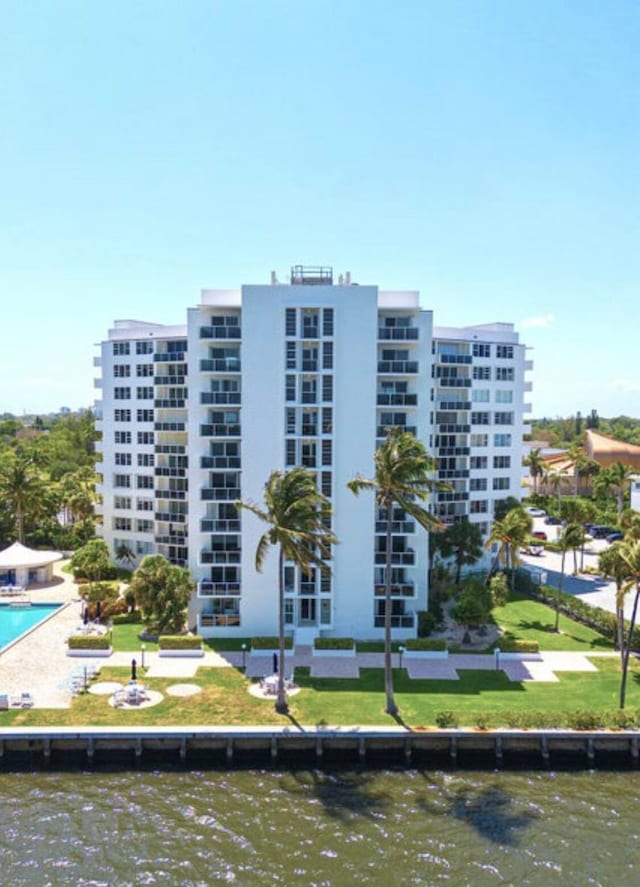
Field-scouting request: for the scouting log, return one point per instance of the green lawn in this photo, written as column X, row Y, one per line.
column 125, row 639
column 526, row 619
column 225, row 700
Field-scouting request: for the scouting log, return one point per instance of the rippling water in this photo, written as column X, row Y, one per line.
column 309, row 827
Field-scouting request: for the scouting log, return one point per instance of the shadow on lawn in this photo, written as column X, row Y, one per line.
column 371, row 680
column 547, row 628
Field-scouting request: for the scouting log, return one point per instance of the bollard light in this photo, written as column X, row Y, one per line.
column 497, row 652
column 142, row 650
column 244, row 656
column 400, row 651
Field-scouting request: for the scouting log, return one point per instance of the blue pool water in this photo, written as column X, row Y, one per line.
column 14, row 621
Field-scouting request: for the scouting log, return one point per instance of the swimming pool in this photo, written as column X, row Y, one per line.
column 15, row 621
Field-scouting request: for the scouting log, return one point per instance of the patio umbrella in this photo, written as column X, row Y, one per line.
column 85, row 614
column 133, row 669
column 275, row 663
column 98, row 611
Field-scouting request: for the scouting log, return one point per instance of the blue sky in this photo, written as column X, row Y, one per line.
column 485, row 153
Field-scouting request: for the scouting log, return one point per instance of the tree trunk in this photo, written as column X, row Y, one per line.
column 391, row 707
column 627, row 649
column 556, row 627
column 620, row 632
column 281, row 701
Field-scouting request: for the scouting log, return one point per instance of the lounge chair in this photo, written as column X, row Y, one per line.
column 26, row 700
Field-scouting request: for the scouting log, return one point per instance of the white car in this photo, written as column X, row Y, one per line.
column 535, row 512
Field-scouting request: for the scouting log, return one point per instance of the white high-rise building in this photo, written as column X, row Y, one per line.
column 308, row 373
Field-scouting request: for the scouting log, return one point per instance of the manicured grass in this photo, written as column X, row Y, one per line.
column 376, row 646
column 125, row 639
column 225, row 699
column 224, row 645
column 526, row 619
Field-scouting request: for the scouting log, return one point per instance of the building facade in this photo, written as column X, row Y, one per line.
column 312, row 372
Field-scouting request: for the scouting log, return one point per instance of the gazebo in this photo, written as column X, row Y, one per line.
column 21, row 566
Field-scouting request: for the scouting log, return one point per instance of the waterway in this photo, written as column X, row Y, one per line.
column 333, row 827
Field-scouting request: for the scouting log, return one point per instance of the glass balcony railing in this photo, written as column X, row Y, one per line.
column 398, row 333
column 220, row 397
column 397, row 366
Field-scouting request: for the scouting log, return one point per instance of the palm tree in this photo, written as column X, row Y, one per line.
column 614, row 480
column 22, row 488
column 463, row 542
column 510, row 534
column 629, row 523
column 535, row 464
column 612, row 566
column 570, row 539
column 297, row 516
column 630, row 553
column 402, row 477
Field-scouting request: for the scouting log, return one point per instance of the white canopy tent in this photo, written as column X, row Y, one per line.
column 20, row 565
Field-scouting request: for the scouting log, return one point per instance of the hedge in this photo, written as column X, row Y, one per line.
column 516, row 645
column 89, row 642
column 334, row 643
column 425, row 644
column 134, row 618
column 180, row 642
column 270, row 643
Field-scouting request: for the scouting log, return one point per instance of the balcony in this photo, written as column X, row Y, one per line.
column 398, row 558
column 453, row 474
column 397, row 526
column 170, row 403
column 398, row 589
column 219, row 557
column 221, row 365
column 224, row 398
column 208, row 588
column 309, row 397
column 453, row 358
column 170, row 517
column 309, row 430
column 398, row 333
column 171, row 539
column 310, row 366
column 216, row 620
column 453, row 497
column 222, row 429
column 169, row 356
column 160, row 471
column 220, row 462
column 453, row 451
column 397, row 366
column 214, row 525
column 220, row 332
column 169, row 380
column 170, row 449
column 179, row 495
column 445, row 428
column 382, row 430
column 453, row 404
column 397, row 400
column 170, row 426
column 444, row 382
column 220, row 494
column 407, row 621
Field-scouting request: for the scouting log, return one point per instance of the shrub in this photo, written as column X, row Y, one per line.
column 585, row 720
column 515, row 645
column 89, row 642
column 270, row 643
column 101, row 591
column 334, row 643
column 446, row 719
column 127, row 618
column 482, row 720
column 429, row 620
column 622, row 719
column 425, row 644
column 180, row 642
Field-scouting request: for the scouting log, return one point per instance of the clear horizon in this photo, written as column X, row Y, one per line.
column 484, row 153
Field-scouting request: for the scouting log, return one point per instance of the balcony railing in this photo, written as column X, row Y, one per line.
column 208, row 588
column 383, row 429
column 171, row 494
column 221, row 429
column 397, row 366
column 398, row 589
column 221, row 365
column 397, row 400
column 170, row 449
column 169, row 356
column 170, row 517
column 220, row 332
column 403, row 558
column 220, row 462
column 220, row 557
column 170, row 403
column 220, row 397
column 215, row 620
column 407, row 621
column 398, row 333
column 170, row 426
column 220, row 494
column 159, row 471
column 453, row 404
column 397, row 526
column 169, row 380
column 453, row 474
column 444, row 382
column 445, row 428
column 214, row 525
column 171, row 539
column 453, row 451
column 453, row 358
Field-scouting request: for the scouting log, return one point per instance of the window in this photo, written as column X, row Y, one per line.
column 504, row 374
column 144, row 482
column 145, row 393
column 122, row 437
column 480, row 372
column 290, row 422
column 327, row 388
column 121, row 502
column 290, row 322
column 503, row 418
column 146, row 437
column 122, row 523
column 480, row 395
column 501, row 483
column 291, row 452
column 502, row 461
column 290, row 388
column 327, row 322
column 504, row 396
column 327, row 420
column 122, row 415
column 327, row 355
column 144, row 347
column 291, row 355
column 146, row 460
column 481, row 349
column 144, row 504
column 327, row 452
column 144, row 415
column 309, row 454
column 144, row 370
column 478, row 463
column 121, row 393
column 122, row 480
column 477, row 484
column 120, row 348
column 325, row 481
column 502, row 440
column 479, row 440
column 504, row 352
column 478, row 506
column 479, row 418
column 144, row 526
column 123, row 459
column 121, row 370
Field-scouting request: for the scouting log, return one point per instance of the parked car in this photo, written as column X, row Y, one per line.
column 615, row 537
column 601, row 532
column 535, row 512
column 540, row 534
column 537, row 550
column 553, row 521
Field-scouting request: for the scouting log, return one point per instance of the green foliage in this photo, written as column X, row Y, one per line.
column 134, row 618
column 504, row 506
column 515, row 645
column 446, row 719
column 462, row 542
column 91, row 561
column 425, row 644
column 585, row 719
column 162, row 592
column 180, row 642
column 334, row 643
column 270, row 643
column 499, row 590
column 89, row 642
column 427, row 622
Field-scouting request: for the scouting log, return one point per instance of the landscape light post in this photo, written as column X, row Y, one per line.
column 142, row 649
column 244, row 656
column 400, row 652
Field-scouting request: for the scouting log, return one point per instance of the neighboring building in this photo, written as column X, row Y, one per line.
column 307, row 373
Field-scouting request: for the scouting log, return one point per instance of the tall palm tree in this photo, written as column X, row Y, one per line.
column 613, row 566
column 22, row 488
column 536, row 466
column 614, row 480
column 570, row 539
column 297, row 516
column 630, row 553
column 510, row 534
column 402, row 477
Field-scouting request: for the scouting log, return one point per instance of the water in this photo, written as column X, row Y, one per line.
column 328, row 828
column 14, row 621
